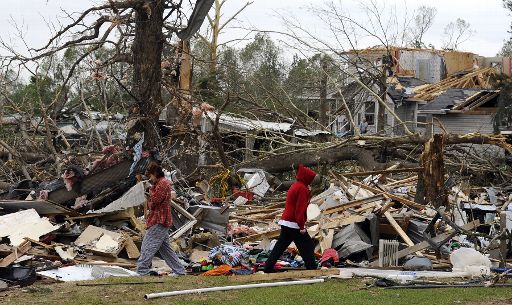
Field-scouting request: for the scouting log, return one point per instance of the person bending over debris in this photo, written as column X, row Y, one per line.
column 158, row 222
column 293, row 220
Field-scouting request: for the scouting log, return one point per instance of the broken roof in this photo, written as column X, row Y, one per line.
column 401, row 87
column 475, row 79
column 459, row 100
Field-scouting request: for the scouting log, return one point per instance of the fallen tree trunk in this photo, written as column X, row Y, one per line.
column 366, row 154
column 283, row 163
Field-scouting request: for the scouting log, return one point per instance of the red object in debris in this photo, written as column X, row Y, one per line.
column 246, row 194
column 217, row 200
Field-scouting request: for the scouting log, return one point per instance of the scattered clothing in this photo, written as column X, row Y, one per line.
column 229, row 255
column 329, row 258
column 221, row 270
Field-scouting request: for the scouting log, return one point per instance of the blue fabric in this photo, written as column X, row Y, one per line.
column 229, row 255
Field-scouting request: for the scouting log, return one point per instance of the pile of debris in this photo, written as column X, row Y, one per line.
column 89, row 224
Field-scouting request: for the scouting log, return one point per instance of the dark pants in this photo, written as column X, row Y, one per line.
column 303, row 242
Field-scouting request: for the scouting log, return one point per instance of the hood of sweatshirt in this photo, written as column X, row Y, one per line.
column 305, row 175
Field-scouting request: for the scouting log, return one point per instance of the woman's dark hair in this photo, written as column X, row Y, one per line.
column 155, row 169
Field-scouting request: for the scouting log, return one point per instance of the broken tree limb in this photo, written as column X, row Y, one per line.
column 15, row 153
column 28, row 157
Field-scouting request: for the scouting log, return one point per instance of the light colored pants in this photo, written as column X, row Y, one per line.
column 157, row 240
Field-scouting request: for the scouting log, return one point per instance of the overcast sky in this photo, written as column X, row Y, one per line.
column 488, row 18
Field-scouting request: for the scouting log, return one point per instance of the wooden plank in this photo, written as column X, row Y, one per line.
column 424, row 244
column 50, row 247
column 326, row 242
column 399, row 230
column 9, row 259
column 402, row 182
column 386, row 207
column 257, row 211
column 345, row 221
column 352, row 204
column 405, row 201
column 5, row 250
column 384, row 171
column 365, row 207
column 85, row 216
column 99, row 263
column 269, row 235
column 298, row 274
column 42, row 207
column 106, row 260
column 131, row 248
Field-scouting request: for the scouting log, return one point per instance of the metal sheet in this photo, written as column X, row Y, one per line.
column 98, row 181
column 212, row 218
column 85, row 273
column 42, row 207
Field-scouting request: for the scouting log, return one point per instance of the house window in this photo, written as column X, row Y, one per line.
column 370, row 113
column 421, row 120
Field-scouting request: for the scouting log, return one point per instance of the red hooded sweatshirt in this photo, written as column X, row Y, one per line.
column 297, row 198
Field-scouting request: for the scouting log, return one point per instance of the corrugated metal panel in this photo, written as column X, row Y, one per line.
column 464, row 123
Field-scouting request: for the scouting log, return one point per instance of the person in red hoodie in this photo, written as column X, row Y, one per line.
column 293, row 221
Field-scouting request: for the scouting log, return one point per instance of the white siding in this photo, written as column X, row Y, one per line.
column 464, row 123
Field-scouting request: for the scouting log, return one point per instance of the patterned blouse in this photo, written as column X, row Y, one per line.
column 159, row 204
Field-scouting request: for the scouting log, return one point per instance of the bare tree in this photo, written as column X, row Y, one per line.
column 216, row 26
column 139, row 31
column 456, row 33
column 383, row 26
column 422, row 22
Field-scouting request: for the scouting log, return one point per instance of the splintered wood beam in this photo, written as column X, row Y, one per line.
column 16, row 253
column 385, row 171
column 402, row 200
column 269, row 235
column 343, row 221
column 352, row 204
column 402, row 182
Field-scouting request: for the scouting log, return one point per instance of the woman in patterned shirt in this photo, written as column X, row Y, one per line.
column 158, row 223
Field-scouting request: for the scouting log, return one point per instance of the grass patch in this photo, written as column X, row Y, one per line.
column 351, row 292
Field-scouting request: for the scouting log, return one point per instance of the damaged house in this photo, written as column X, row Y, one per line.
column 415, row 78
